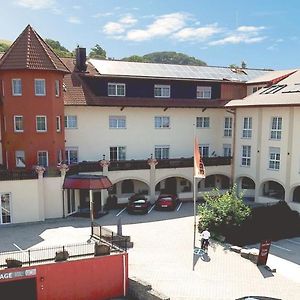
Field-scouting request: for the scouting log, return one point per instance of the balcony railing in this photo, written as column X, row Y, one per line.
column 143, row 164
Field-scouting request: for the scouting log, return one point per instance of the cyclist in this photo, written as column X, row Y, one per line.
column 205, row 235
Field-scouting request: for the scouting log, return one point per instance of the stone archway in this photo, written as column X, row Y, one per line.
column 296, row 194
column 272, row 189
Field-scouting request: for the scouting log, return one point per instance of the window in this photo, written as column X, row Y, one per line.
column 117, row 122
column 40, row 87
column 17, row 87
column 162, row 122
column 227, row 150
column 70, row 122
column 42, row 158
column 20, row 159
column 228, row 127
column 202, row 122
column 204, row 150
column 247, row 128
column 246, row 156
column 58, row 123
column 116, row 89
column 117, row 153
column 276, row 128
column 203, row 92
column 18, row 124
column 71, row 201
column 41, row 123
column 162, row 152
column 57, row 88
column 274, row 158
column 162, row 91
column 5, row 216
column 71, row 155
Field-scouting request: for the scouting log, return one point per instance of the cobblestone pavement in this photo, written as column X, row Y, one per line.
column 163, row 256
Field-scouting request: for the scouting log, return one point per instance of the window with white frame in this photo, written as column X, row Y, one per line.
column 116, row 89
column 203, row 92
column 71, row 155
column 204, row 150
column 18, row 124
column 58, row 123
column 246, row 155
column 227, row 150
column 20, row 159
column 71, row 122
column 5, row 208
column 57, row 88
column 117, row 153
column 274, row 158
column 42, row 158
column 117, row 122
column 41, row 123
column 162, row 152
column 247, row 128
column 228, row 126
column 162, row 91
column 276, row 128
column 202, row 122
column 162, row 122
column 17, row 87
column 40, row 87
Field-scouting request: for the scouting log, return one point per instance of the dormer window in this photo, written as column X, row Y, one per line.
column 116, row 89
column 40, row 87
column 203, row 92
column 17, row 87
column 162, row 91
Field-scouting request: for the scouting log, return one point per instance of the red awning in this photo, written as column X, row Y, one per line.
column 87, row 182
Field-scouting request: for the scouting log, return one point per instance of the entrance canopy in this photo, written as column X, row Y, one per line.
column 87, row 182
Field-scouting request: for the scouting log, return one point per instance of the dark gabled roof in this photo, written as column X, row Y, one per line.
column 30, row 52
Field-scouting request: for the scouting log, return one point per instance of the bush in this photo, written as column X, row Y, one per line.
column 222, row 213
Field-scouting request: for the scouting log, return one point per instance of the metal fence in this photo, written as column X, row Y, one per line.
column 103, row 234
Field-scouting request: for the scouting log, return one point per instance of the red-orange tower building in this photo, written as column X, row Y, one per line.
column 31, row 103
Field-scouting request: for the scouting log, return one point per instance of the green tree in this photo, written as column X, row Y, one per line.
column 220, row 213
column 4, row 46
column 60, row 50
column 97, row 52
column 134, row 58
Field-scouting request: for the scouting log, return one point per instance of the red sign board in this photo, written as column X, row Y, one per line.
column 263, row 252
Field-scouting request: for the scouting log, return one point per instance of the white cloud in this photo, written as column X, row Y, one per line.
column 163, row 25
column 74, row 20
column 250, row 28
column 200, row 33
column 99, row 15
column 112, row 28
column 36, row 4
column 243, row 34
column 76, row 6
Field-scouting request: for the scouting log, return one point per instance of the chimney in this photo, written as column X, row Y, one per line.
column 81, row 59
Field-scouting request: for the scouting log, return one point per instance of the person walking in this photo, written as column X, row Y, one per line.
column 205, row 235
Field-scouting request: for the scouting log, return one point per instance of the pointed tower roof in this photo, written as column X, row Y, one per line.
column 29, row 51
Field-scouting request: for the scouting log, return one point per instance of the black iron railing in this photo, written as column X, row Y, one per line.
column 115, row 240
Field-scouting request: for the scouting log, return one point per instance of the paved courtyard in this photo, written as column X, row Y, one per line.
column 163, row 256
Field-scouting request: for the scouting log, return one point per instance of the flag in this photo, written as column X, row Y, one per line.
column 199, row 170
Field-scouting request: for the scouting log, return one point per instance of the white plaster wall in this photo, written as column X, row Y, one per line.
column 24, row 199
column 53, row 197
column 93, row 136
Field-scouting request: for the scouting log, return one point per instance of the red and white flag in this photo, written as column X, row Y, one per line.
column 199, row 169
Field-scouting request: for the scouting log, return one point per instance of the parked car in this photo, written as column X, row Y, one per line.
column 138, row 204
column 167, row 202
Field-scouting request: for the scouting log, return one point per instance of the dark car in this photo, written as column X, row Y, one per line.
column 166, row 201
column 138, row 204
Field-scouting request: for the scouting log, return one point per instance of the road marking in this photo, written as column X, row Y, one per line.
column 151, row 208
column 18, row 247
column 281, row 247
column 179, row 206
column 120, row 212
column 296, row 243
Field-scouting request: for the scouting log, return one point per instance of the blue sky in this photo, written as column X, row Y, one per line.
column 263, row 33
